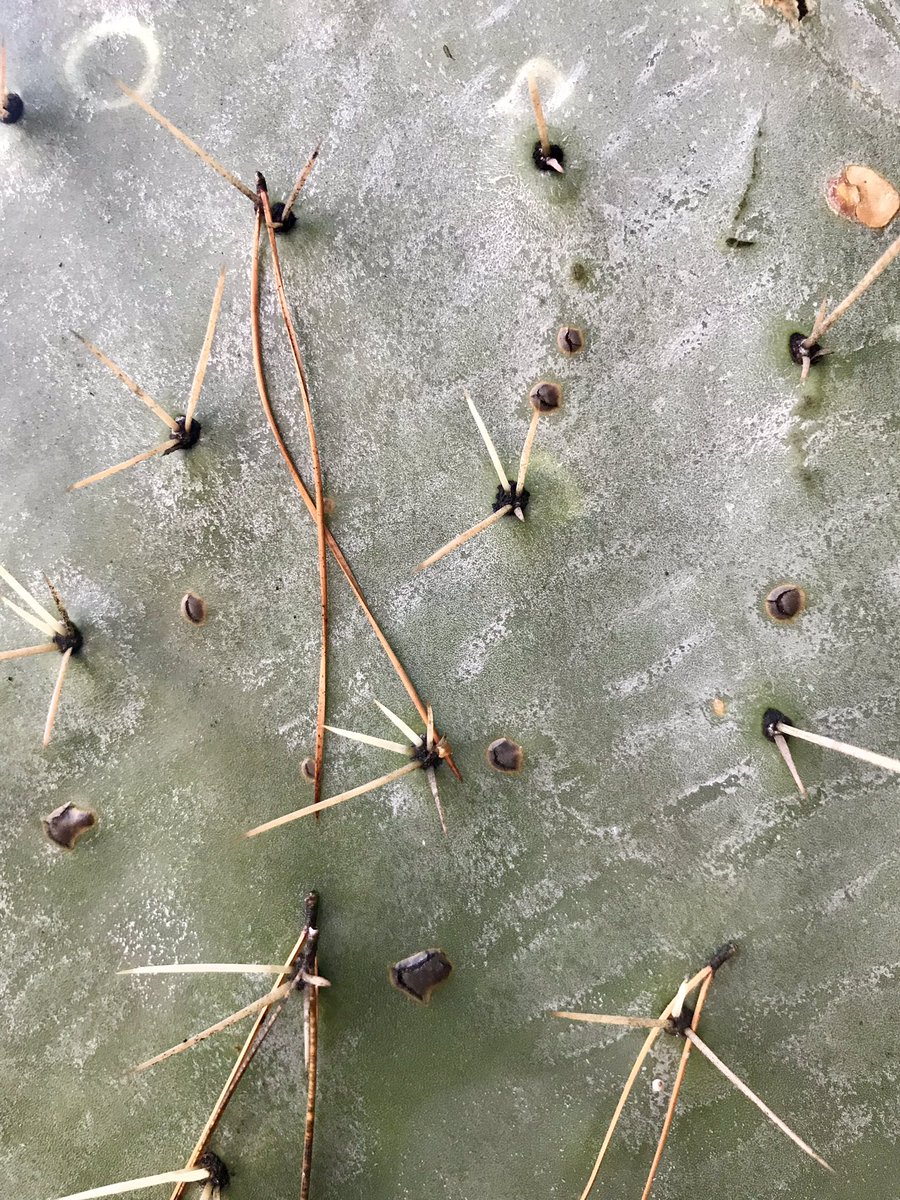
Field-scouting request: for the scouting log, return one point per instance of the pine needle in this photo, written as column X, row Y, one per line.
column 540, row 119
column 317, row 482
column 337, row 553
column 254, row 1040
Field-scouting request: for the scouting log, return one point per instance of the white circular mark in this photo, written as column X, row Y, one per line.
column 122, row 26
column 657, row 1086
column 554, row 86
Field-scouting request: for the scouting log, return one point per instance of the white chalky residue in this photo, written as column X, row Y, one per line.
column 125, row 25
column 555, row 87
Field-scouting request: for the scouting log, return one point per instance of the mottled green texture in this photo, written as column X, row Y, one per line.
column 685, row 475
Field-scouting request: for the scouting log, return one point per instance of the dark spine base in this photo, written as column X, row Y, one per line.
column 508, row 496
column 426, row 758
column 542, row 160
column 183, row 439
column 72, row 639
column 278, row 219
column 772, row 717
column 15, row 109
column 814, row 353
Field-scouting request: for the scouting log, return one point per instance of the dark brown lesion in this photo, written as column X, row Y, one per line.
column 785, row 602
column 505, row 755
column 419, row 974
column 66, row 824
column 193, row 608
column 570, row 340
column 72, row 637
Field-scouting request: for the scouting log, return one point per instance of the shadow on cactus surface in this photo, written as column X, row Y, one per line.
column 619, row 635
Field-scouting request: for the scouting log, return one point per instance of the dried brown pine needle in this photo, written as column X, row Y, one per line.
column 337, row 553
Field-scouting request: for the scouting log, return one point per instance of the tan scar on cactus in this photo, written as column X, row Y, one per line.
column 861, row 194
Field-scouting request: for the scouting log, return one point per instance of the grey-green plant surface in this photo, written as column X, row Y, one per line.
column 687, row 473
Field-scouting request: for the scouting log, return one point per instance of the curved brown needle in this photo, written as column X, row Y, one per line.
column 317, row 479
column 676, row 1088
column 185, row 140
column 823, row 324
column 337, row 553
column 312, row 1070
column 203, row 361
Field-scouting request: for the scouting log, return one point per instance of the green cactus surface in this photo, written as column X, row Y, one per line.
column 619, row 635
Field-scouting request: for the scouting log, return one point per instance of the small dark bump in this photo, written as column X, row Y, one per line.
column 418, row 975
column 446, row 50
column 218, row 1172
column 66, row 824
column 426, row 758
column 544, row 162
column 736, row 243
column 546, row 396
column 193, row 608
column 785, row 602
column 677, row 1025
column 507, row 496
column 308, row 770
column 722, row 955
column 182, row 438
column 570, row 340
column 505, row 755
column 14, row 109
column 281, row 224
column 72, row 639
column 578, row 272
column 772, row 718
column 802, row 9
column 800, row 353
